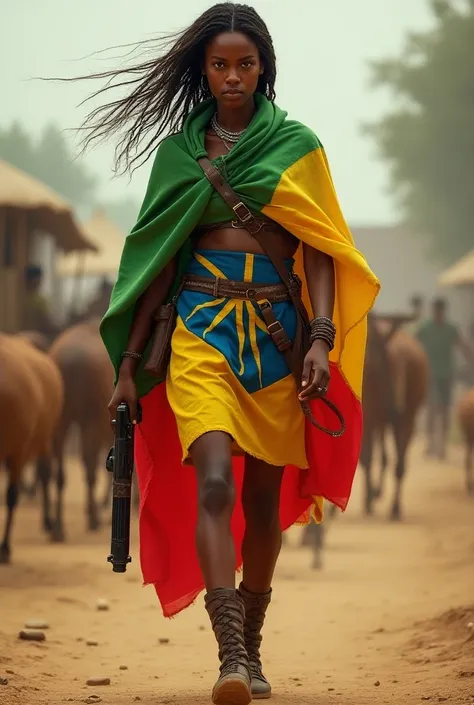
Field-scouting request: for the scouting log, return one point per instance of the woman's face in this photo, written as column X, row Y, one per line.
column 233, row 67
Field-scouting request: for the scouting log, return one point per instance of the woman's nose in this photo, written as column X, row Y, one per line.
column 232, row 78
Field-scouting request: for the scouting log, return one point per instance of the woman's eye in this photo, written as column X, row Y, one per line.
column 247, row 64
column 218, row 65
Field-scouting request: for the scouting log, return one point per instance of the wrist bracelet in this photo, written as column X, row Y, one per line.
column 322, row 328
column 132, row 354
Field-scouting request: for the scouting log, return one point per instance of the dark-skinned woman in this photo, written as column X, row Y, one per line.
column 230, row 450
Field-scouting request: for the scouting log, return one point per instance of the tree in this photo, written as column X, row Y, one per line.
column 50, row 160
column 428, row 138
column 60, row 170
column 123, row 212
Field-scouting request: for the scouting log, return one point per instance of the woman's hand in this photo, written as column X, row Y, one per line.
column 316, row 375
column 125, row 391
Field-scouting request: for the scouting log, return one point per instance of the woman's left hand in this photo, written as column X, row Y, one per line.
column 316, row 375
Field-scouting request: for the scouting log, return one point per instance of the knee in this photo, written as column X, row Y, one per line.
column 262, row 510
column 217, row 493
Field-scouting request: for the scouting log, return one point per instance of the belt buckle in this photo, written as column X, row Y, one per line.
column 247, row 213
column 278, row 327
column 250, row 293
column 264, row 304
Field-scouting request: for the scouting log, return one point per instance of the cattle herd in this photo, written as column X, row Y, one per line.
column 46, row 390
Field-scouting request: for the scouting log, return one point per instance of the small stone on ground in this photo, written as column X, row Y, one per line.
column 36, row 624
column 31, row 635
column 98, row 680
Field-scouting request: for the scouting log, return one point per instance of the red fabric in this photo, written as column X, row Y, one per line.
column 168, row 507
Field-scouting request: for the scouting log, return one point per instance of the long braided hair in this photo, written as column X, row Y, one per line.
column 167, row 87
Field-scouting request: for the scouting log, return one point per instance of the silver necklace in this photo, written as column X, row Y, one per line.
column 228, row 138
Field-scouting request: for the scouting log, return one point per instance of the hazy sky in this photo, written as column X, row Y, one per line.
column 322, row 49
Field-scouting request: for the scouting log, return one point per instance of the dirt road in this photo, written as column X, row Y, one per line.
column 386, row 621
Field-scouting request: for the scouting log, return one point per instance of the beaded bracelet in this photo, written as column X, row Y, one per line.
column 322, row 328
column 131, row 353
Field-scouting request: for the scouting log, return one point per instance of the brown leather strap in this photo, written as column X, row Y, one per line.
column 294, row 355
column 283, row 344
column 230, row 289
column 277, row 332
column 254, row 225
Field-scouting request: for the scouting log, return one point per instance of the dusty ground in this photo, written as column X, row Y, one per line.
column 385, row 622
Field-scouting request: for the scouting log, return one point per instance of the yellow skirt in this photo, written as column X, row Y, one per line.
column 225, row 372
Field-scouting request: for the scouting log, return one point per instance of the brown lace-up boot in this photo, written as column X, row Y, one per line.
column 226, row 610
column 255, row 607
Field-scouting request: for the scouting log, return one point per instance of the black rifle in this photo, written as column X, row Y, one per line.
column 120, row 462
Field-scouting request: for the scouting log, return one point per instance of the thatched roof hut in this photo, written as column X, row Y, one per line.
column 108, row 241
column 44, row 209
column 459, row 274
column 33, row 219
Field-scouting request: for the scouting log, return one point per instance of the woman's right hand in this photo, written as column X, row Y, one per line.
column 125, row 391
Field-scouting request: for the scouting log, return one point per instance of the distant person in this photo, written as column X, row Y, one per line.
column 440, row 338
column 36, row 311
column 417, row 304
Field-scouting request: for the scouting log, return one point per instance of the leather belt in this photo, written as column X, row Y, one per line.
column 229, row 289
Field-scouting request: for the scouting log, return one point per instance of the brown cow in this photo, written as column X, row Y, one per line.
column 395, row 387
column 31, row 398
column 377, row 404
column 88, row 384
column 40, row 341
column 465, row 414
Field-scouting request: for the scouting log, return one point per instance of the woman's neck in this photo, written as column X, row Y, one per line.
column 236, row 119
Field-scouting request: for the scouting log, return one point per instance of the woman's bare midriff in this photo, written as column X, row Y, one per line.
column 240, row 240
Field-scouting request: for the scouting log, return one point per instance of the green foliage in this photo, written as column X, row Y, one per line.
column 49, row 160
column 428, row 138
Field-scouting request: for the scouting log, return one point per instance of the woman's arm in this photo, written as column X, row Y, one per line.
column 147, row 304
column 319, row 270
column 140, row 333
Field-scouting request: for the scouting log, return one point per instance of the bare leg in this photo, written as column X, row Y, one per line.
column 260, row 550
column 262, row 540
column 212, row 458
column 211, row 455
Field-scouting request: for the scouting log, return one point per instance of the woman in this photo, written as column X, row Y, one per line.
column 227, row 425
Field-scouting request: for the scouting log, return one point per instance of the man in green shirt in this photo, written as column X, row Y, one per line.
column 440, row 338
